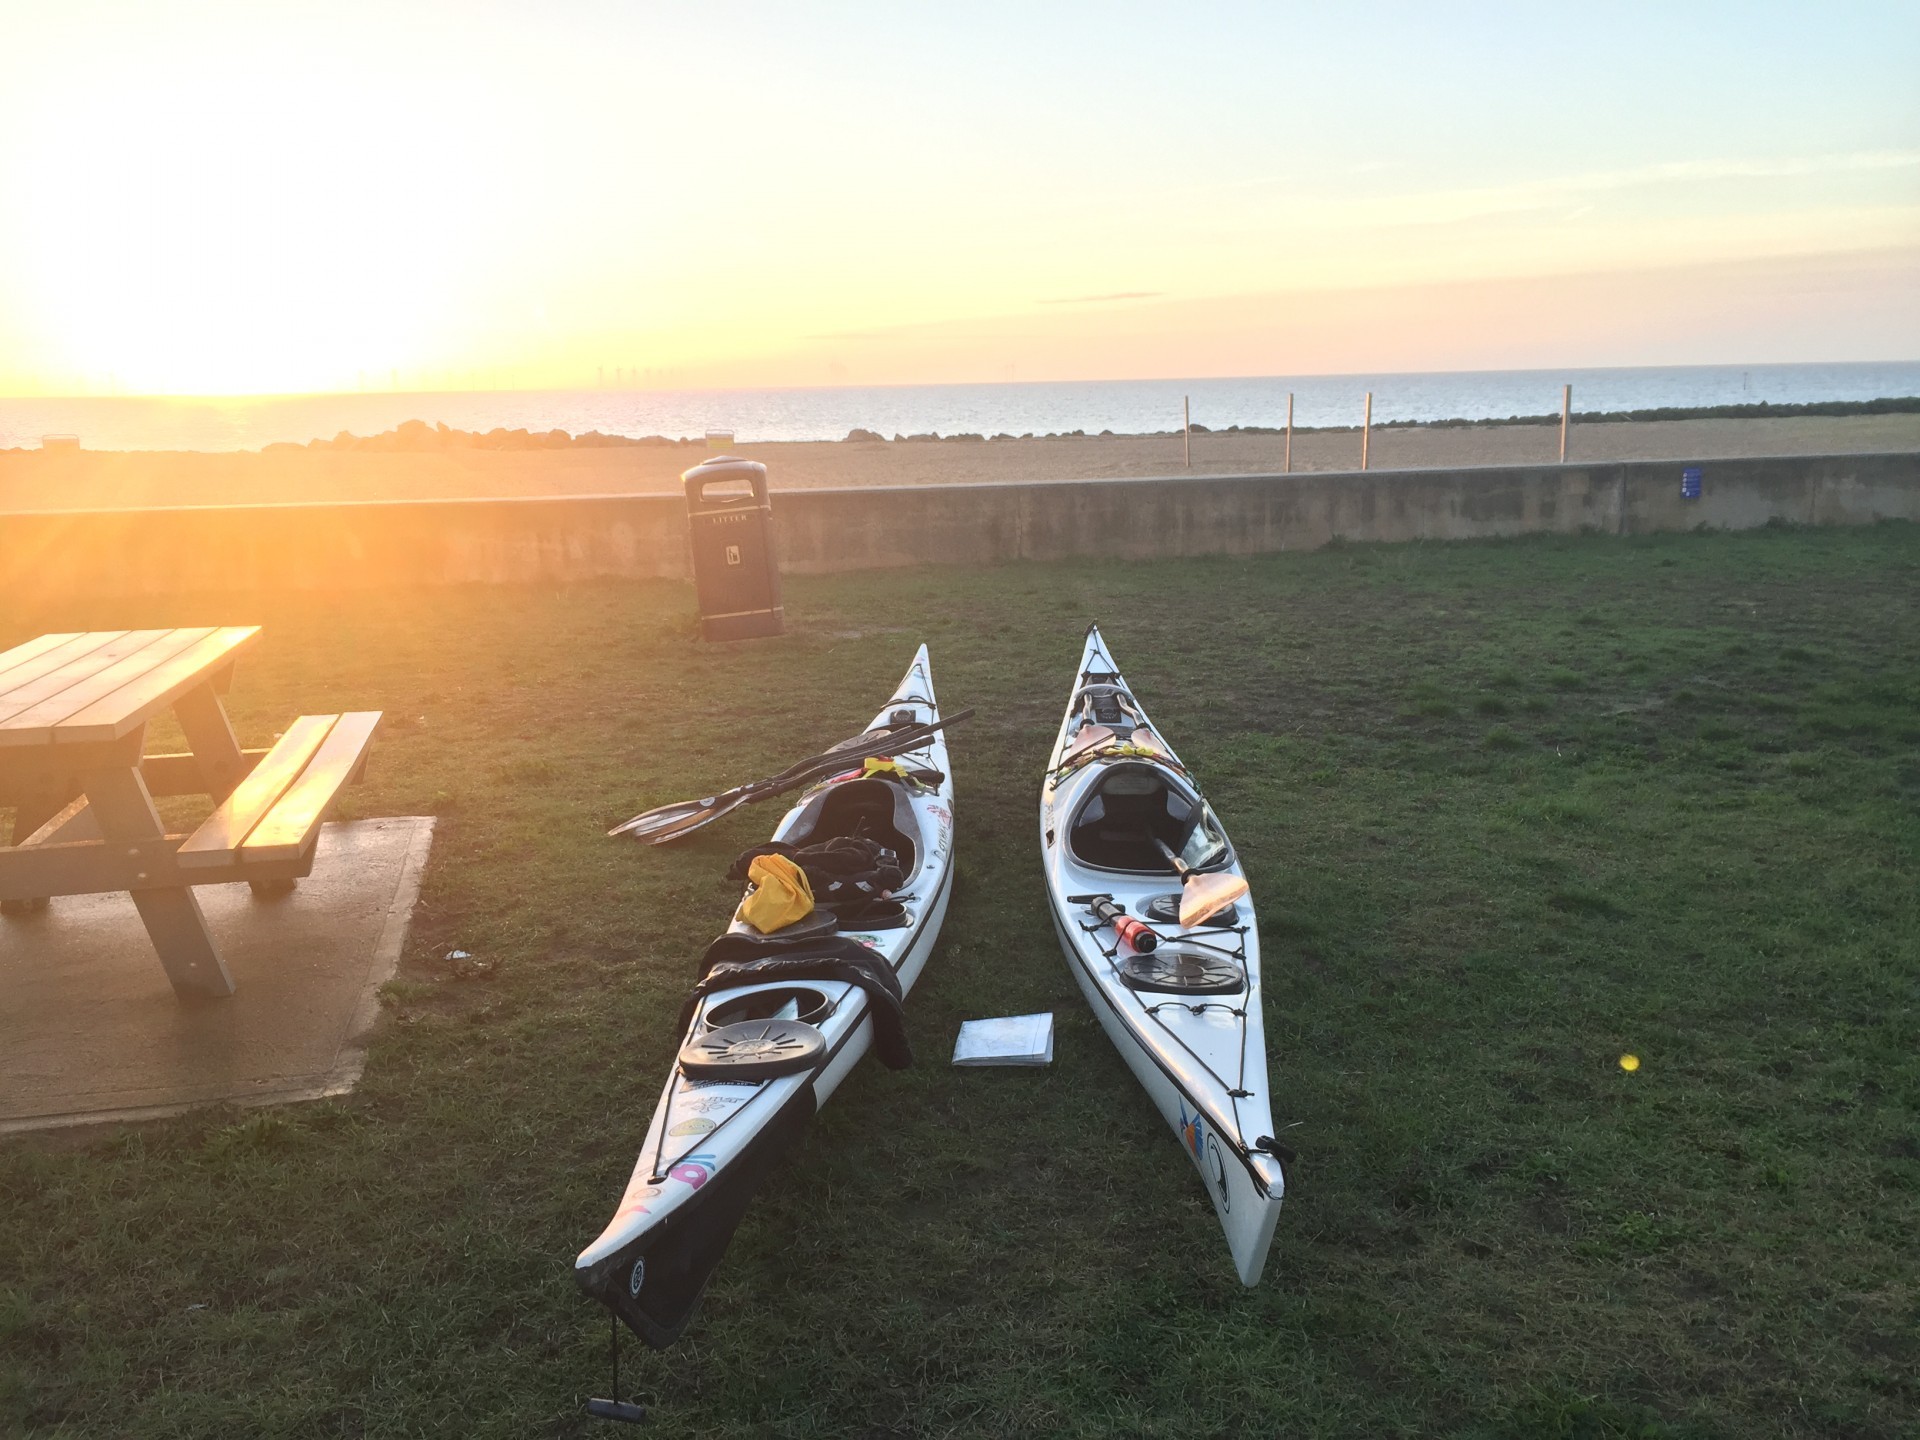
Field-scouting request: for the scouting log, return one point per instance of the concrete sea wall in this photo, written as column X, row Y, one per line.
column 162, row 551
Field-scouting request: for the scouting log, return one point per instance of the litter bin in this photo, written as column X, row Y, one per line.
column 735, row 577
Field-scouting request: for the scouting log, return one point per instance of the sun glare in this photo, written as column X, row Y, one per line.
column 255, row 236
column 234, row 198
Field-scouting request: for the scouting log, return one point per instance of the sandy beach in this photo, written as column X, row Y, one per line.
column 36, row 480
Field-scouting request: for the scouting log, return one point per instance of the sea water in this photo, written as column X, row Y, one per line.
column 1125, row 407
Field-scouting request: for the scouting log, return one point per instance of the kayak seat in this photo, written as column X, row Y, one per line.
column 1117, row 825
column 871, row 809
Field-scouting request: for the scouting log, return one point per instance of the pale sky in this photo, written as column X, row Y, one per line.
column 271, row 197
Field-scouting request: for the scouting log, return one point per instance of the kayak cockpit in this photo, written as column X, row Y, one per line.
column 877, row 810
column 1128, row 806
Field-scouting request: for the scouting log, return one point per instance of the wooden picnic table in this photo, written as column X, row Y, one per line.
column 74, row 710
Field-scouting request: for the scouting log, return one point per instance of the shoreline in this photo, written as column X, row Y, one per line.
column 420, row 435
column 41, row 480
column 1108, row 409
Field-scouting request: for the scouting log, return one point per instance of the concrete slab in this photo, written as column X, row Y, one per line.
column 90, row 1030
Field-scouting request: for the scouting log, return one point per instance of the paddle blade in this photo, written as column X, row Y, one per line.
column 1150, row 742
column 1088, row 737
column 1205, row 896
column 670, row 822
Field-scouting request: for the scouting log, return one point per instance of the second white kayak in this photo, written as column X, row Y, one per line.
column 1182, row 1003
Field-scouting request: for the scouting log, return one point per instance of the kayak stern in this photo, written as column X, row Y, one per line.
column 655, row 1281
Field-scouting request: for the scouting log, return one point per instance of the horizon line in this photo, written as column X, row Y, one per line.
column 593, row 389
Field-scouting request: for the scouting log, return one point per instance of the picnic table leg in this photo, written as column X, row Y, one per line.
column 172, row 915
column 210, row 738
column 34, row 811
column 29, row 816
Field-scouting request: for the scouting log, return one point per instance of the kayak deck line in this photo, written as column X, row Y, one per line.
column 1246, row 1148
column 1235, row 1087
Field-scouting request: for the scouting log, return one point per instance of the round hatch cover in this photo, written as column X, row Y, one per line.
column 753, row 1050
column 1176, row 969
column 1165, row 910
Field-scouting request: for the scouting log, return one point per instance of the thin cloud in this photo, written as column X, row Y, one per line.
column 1570, row 194
column 1099, row 299
column 1740, row 169
column 1541, row 192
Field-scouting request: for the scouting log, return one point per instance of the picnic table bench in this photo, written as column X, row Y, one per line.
column 74, row 710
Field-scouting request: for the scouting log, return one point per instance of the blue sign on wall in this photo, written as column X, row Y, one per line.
column 1690, row 483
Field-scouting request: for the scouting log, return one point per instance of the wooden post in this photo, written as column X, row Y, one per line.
column 1186, row 428
column 1288, row 467
column 1566, row 410
column 1366, row 430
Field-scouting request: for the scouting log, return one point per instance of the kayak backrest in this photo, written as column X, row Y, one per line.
column 872, row 809
column 1127, row 808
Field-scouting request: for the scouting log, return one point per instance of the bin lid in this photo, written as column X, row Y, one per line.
column 719, row 471
column 724, row 465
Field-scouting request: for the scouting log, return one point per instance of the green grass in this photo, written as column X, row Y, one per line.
column 1510, row 811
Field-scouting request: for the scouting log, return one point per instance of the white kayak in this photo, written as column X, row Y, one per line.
column 1184, row 1014
column 758, row 1059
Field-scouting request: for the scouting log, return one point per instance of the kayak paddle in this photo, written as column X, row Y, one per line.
column 1201, row 896
column 669, row 822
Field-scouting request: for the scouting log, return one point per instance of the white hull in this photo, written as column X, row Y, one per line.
column 707, row 1137
column 1205, row 1072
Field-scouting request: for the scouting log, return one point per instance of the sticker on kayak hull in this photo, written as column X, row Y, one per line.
column 1218, row 1174
column 693, row 1172
column 1193, row 1130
